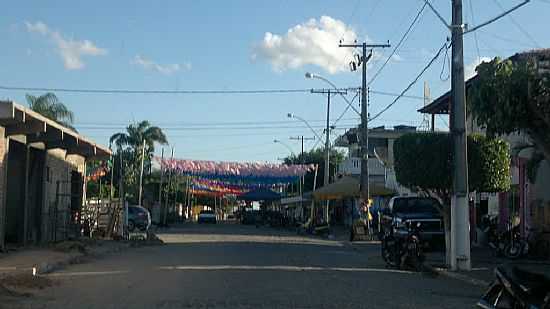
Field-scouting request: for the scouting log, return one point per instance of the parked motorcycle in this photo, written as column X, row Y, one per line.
column 516, row 246
column 401, row 252
column 516, row 288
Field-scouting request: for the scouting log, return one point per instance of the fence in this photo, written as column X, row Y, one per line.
column 102, row 218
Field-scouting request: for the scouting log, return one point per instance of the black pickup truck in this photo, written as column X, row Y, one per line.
column 405, row 210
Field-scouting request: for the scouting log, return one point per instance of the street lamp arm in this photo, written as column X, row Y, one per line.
column 335, row 88
column 287, row 147
column 307, row 124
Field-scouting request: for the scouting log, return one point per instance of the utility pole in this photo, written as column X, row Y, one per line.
column 302, row 182
column 161, row 175
column 326, row 181
column 302, row 138
column 460, row 258
column 165, row 209
column 460, row 218
column 113, row 160
column 364, row 131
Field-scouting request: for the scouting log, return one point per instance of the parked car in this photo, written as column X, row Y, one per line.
column 403, row 211
column 207, row 216
column 138, row 217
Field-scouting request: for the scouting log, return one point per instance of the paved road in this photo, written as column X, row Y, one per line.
column 234, row 266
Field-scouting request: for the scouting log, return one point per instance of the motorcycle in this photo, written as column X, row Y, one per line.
column 516, row 246
column 400, row 252
column 507, row 243
column 516, row 288
column 497, row 240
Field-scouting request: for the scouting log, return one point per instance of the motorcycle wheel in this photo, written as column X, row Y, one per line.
column 388, row 254
column 513, row 251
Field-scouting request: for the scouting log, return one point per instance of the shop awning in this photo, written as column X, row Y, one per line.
column 348, row 187
column 21, row 121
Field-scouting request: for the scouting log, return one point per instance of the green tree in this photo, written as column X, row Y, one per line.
column 514, row 95
column 129, row 145
column 316, row 156
column 423, row 162
column 49, row 106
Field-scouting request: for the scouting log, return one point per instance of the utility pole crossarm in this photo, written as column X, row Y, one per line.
column 329, row 91
column 366, row 45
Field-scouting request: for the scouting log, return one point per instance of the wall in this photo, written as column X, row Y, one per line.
column 58, row 167
column 3, row 161
column 542, row 184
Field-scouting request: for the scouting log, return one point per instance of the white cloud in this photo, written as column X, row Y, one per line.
column 313, row 42
column 70, row 50
column 166, row 69
column 470, row 69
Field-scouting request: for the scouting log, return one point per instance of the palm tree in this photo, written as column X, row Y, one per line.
column 49, row 106
column 131, row 143
column 136, row 134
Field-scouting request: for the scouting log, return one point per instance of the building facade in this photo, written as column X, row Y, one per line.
column 42, row 176
column 527, row 203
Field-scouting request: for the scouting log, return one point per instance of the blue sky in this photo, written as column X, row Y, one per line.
column 222, row 45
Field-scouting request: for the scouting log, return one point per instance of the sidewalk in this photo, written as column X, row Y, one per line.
column 483, row 265
column 47, row 259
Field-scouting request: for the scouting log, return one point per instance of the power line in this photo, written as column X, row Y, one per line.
column 243, row 134
column 398, row 44
column 391, row 94
column 505, row 39
column 206, row 128
column 444, row 121
column 520, row 28
column 475, row 33
column 492, row 20
column 412, row 83
column 223, row 123
column 128, row 91
column 345, row 110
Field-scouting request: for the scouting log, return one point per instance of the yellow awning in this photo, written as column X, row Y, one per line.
column 348, row 187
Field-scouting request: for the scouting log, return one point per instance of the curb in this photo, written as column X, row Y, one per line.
column 457, row 276
column 49, row 267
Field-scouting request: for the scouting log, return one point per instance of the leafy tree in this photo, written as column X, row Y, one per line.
column 316, row 156
column 514, row 95
column 423, row 162
column 130, row 145
column 48, row 105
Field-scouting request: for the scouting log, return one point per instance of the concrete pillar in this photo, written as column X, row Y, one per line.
column 4, row 150
column 26, row 197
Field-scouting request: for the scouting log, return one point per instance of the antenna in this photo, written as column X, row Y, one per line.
column 425, row 125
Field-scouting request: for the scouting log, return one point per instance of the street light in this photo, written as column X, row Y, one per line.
column 312, row 76
column 276, row 141
column 290, row 115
